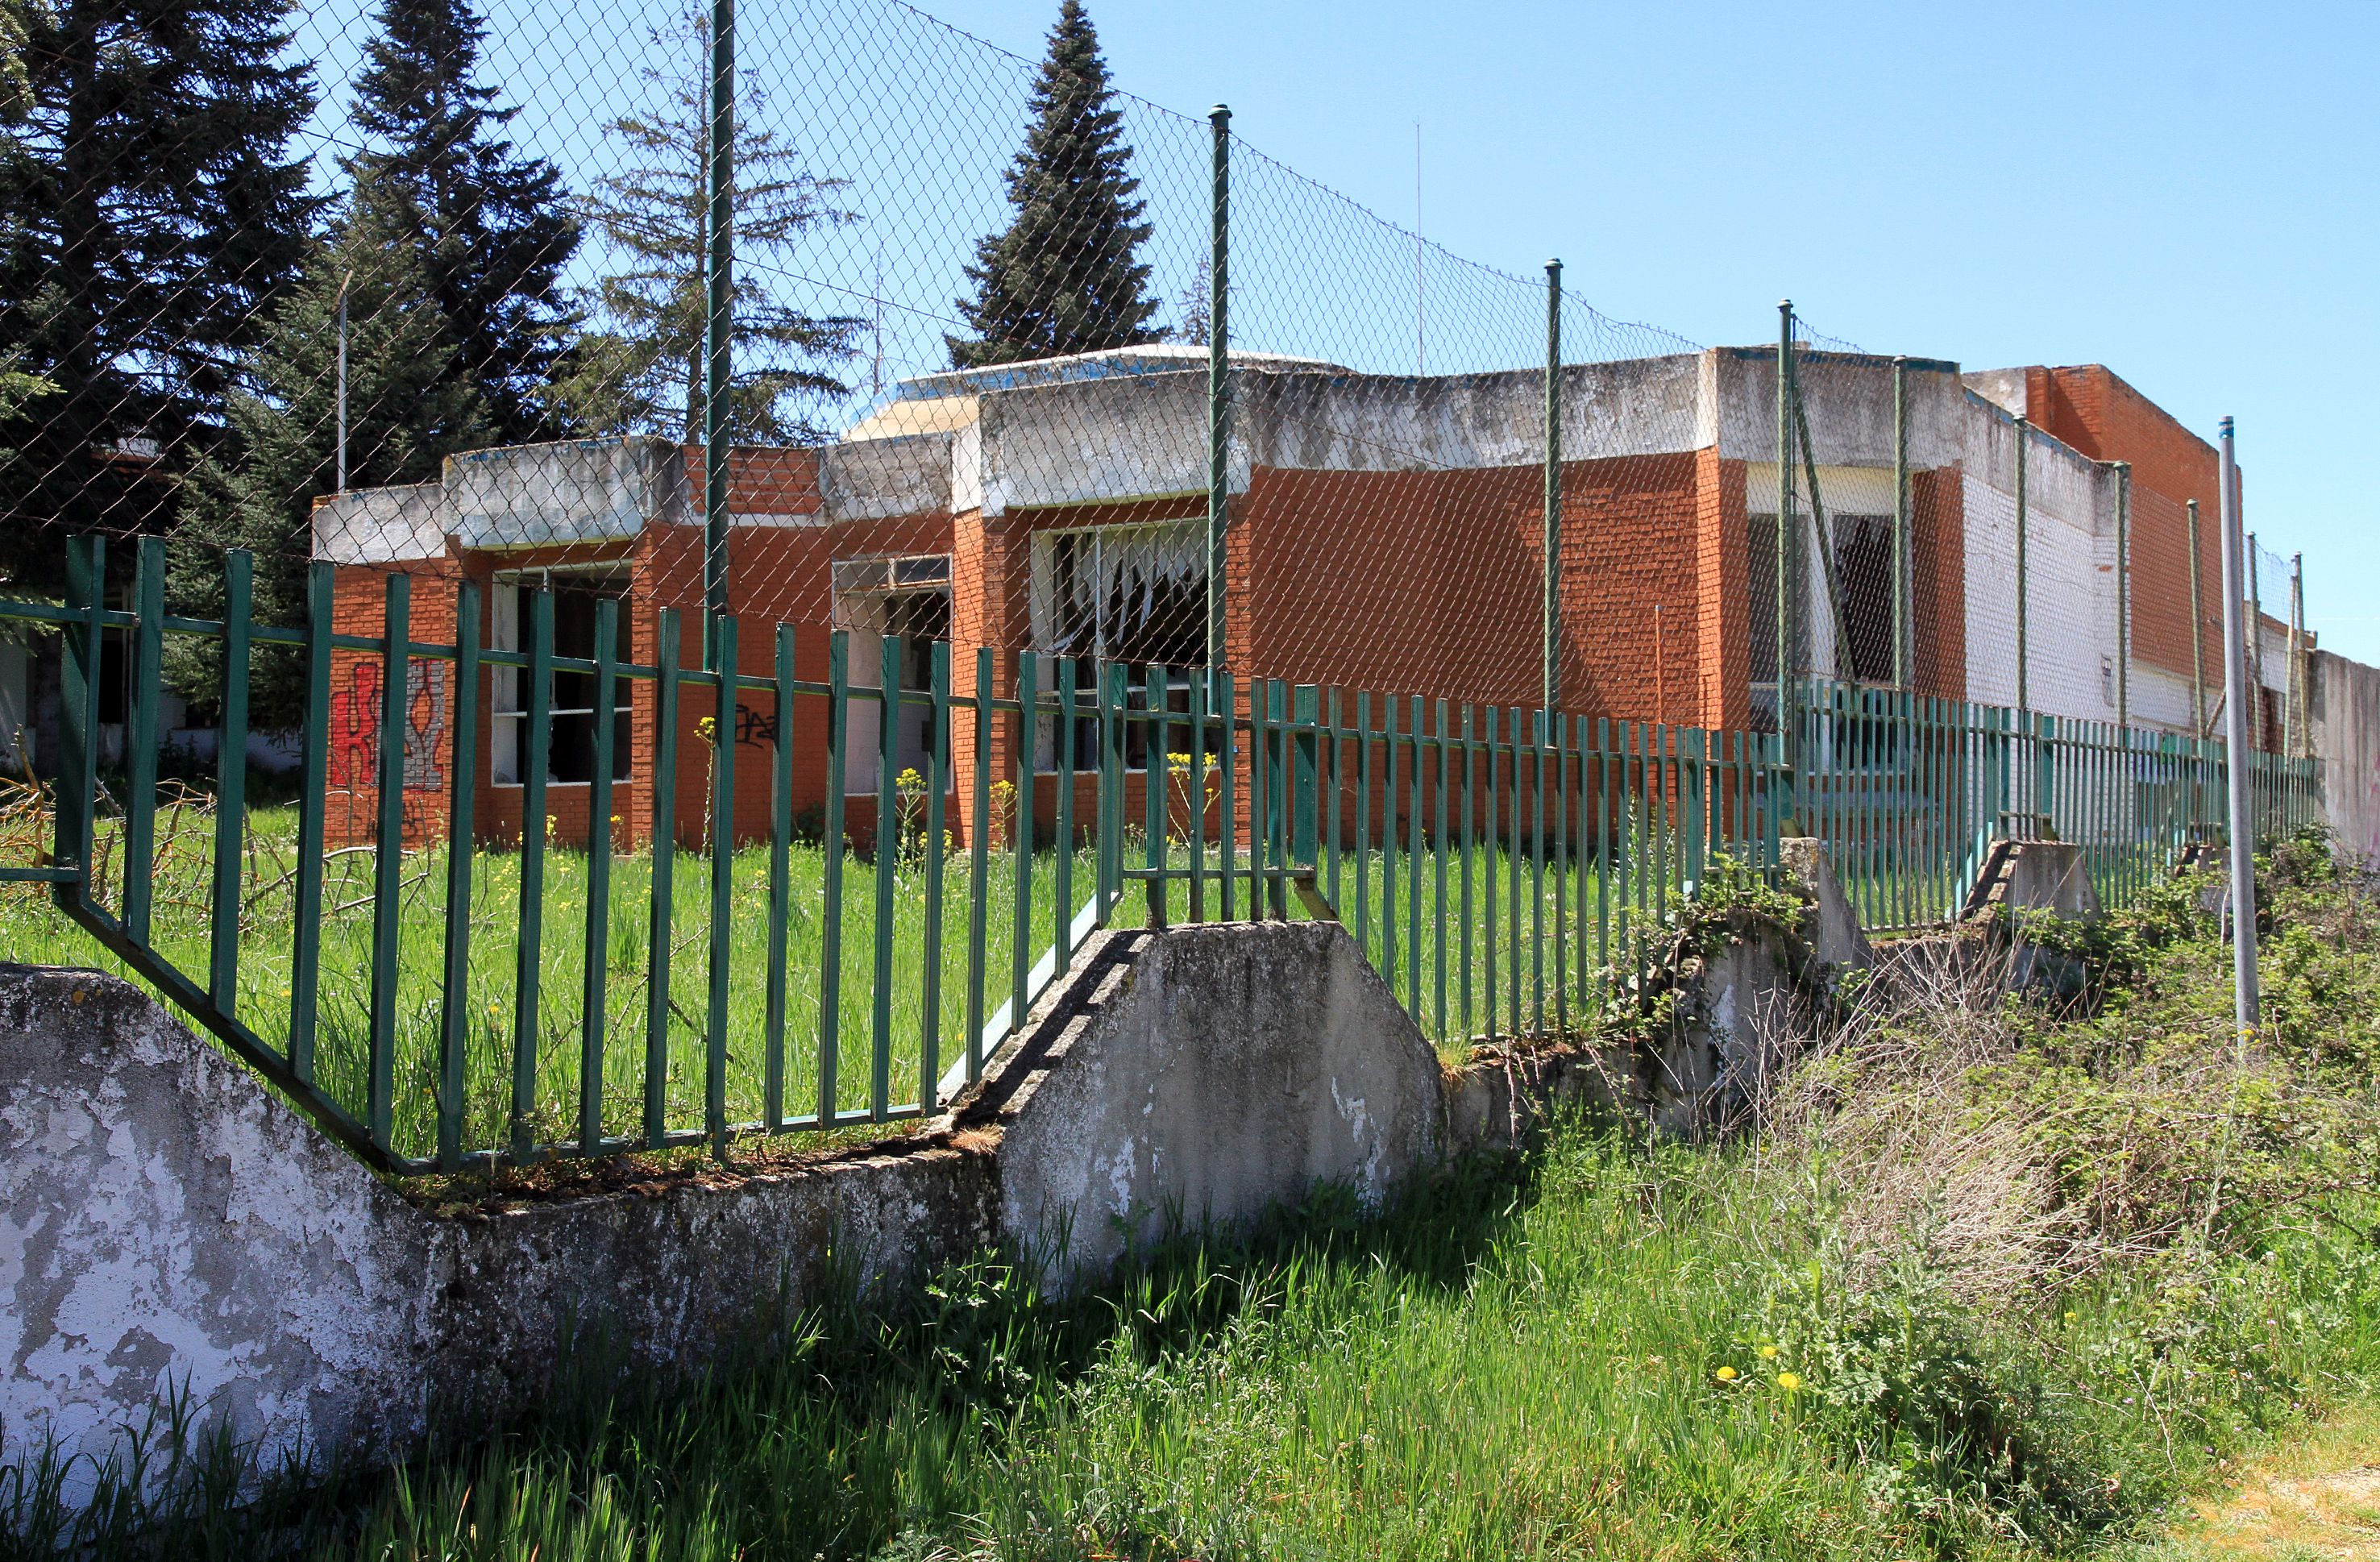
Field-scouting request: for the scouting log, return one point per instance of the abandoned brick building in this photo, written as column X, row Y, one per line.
column 1385, row 535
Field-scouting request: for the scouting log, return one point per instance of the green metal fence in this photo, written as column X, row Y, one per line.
column 1908, row 791
column 436, row 997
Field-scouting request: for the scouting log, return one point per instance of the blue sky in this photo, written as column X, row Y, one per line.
column 2185, row 192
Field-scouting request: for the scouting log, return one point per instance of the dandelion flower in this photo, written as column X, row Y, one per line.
column 2070, row 1317
column 1789, row 1381
column 1769, row 1352
column 1725, row 1374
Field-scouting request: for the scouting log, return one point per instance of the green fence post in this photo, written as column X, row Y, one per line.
column 781, row 911
column 594, row 974
column 889, row 846
column 980, row 864
column 1550, row 615
column 938, row 783
column 1218, row 400
column 231, row 782
column 388, row 872
column 79, row 681
column 668, row 651
column 1307, row 711
column 313, row 806
column 536, row 755
column 838, row 737
column 141, row 738
column 462, row 800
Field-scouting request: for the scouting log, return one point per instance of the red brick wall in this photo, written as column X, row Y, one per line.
column 2094, row 410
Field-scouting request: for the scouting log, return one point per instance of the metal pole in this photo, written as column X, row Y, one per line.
column 717, row 433
column 2256, row 701
column 1902, row 648
column 2245, row 1007
column 2123, row 593
column 2023, row 438
column 1219, row 384
column 1785, row 530
column 344, row 281
column 2197, row 635
column 2296, row 712
column 1550, row 611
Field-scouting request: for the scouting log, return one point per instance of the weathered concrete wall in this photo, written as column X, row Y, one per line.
column 1211, row 1074
column 2344, row 702
column 168, row 1229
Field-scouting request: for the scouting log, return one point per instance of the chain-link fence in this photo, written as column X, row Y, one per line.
column 444, row 451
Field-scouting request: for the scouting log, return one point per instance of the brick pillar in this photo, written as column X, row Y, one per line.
column 1722, row 583
column 988, row 610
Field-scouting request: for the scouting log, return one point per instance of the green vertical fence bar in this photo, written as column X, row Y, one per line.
column 231, row 782
column 1200, row 681
column 889, row 844
column 781, row 908
column 938, row 783
column 1259, row 818
column 1469, row 742
column 1157, row 783
column 838, row 737
column 1021, row 946
column 722, row 885
column 140, row 736
column 456, row 1019
column 1516, row 869
column 1114, row 693
column 1537, row 736
column 388, row 871
column 313, row 806
column 668, row 644
column 593, row 992
column 1390, row 755
column 1560, row 734
column 1062, row 900
column 1362, row 825
column 980, row 864
column 1227, row 832
column 1603, row 843
column 1414, row 848
column 535, row 751
column 1306, row 712
column 1338, row 750
column 79, row 684
column 1494, row 781
column 1438, row 858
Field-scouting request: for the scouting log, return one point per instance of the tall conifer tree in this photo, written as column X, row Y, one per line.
column 493, row 228
column 644, row 370
column 409, row 405
column 1065, row 276
column 150, row 213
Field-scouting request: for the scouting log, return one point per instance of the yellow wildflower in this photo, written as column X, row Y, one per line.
column 1725, row 1374
column 1789, row 1381
column 1769, row 1352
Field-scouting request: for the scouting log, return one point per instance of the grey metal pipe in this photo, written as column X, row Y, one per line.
column 2237, row 755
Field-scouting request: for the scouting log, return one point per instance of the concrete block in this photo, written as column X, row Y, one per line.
column 1204, row 1074
column 1833, row 928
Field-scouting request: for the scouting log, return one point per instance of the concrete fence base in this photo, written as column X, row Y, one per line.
column 167, row 1228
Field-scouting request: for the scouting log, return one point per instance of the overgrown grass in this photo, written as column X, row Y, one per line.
column 1990, row 1280
column 1448, row 970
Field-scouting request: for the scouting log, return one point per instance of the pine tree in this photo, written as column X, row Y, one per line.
column 1064, row 276
column 645, row 371
column 149, row 212
column 493, row 228
column 408, row 407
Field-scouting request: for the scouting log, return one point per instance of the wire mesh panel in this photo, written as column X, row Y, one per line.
column 586, row 578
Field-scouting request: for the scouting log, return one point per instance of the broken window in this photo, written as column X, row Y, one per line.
column 570, row 756
column 1134, row 594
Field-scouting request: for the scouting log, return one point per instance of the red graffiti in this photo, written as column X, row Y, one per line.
column 355, row 727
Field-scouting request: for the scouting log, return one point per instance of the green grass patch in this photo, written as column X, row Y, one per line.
column 1991, row 1281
